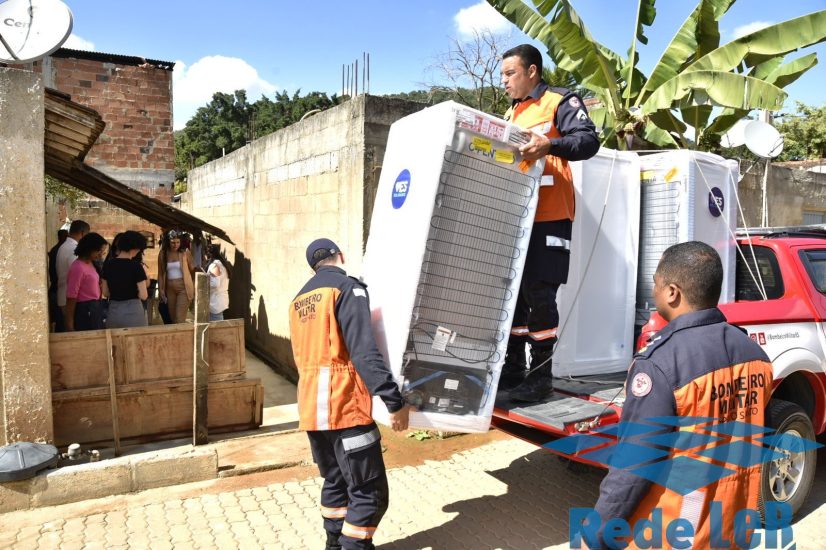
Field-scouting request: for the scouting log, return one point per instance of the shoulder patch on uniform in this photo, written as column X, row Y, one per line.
column 359, row 292
column 574, row 102
column 581, row 115
column 641, row 385
column 358, row 281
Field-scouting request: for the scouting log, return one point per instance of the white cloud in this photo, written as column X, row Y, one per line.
column 75, row 42
column 194, row 85
column 479, row 17
column 743, row 30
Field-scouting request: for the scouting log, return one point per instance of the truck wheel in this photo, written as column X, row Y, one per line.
column 788, row 479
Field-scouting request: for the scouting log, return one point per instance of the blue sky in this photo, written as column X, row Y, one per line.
column 263, row 46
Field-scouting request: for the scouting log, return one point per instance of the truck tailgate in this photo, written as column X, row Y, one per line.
column 574, row 400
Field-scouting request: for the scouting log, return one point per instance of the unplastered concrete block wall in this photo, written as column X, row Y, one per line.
column 316, row 178
column 790, row 191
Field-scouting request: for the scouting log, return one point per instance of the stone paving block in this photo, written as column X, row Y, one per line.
column 504, row 501
column 174, row 468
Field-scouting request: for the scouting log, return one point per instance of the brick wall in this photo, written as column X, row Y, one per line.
column 315, row 178
column 137, row 147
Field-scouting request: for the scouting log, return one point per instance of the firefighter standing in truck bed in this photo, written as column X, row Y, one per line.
column 562, row 132
column 340, row 368
column 679, row 374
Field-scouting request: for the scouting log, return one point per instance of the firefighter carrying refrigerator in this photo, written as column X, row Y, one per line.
column 562, row 132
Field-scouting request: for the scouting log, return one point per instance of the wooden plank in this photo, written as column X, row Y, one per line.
column 54, row 137
column 54, row 119
column 145, row 388
column 69, row 133
column 145, row 354
column 200, row 380
column 155, row 414
column 113, row 395
column 78, row 360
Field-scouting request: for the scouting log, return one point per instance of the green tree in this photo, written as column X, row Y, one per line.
column 804, row 133
column 60, row 191
column 695, row 78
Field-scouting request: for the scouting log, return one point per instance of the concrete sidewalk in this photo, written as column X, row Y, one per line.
column 275, row 445
column 504, row 494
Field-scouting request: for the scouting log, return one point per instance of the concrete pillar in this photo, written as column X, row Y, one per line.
column 25, row 381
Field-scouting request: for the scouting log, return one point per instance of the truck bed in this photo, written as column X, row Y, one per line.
column 574, row 400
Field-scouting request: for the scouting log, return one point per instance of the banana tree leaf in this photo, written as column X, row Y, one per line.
column 726, row 120
column 707, row 32
column 724, row 89
column 531, row 23
column 685, row 44
column 697, row 116
column 637, row 80
column 658, row 136
column 763, row 70
column 666, row 120
column 786, row 74
column 646, row 12
column 596, row 65
column 764, row 44
column 601, row 117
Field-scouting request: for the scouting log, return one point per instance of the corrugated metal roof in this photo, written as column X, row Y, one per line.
column 71, row 130
column 113, row 58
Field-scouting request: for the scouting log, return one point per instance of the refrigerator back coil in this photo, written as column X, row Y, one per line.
column 460, row 317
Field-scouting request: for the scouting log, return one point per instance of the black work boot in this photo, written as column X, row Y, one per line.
column 332, row 541
column 515, row 366
column 539, row 383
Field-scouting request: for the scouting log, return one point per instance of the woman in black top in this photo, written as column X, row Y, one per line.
column 124, row 283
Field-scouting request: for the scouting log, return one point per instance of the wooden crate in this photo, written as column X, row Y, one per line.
column 153, row 411
column 145, row 354
column 153, row 371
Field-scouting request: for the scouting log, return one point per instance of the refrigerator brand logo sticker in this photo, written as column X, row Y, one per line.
column 400, row 188
column 715, row 202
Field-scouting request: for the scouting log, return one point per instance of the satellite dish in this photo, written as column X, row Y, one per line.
column 763, row 139
column 32, row 29
column 735, row 137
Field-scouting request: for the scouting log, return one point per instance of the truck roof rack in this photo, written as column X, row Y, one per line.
column 810, row 231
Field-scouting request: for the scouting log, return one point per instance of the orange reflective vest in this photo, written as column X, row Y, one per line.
column 339, row 365
column 556, row 192
column 697, row 366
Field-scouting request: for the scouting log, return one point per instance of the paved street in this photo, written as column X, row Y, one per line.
column 505, row 494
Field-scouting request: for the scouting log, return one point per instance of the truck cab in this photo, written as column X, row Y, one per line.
column 781, row 303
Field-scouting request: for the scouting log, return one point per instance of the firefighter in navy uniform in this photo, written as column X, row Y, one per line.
column 562, row 132
column 680, row 374
column 339, row 369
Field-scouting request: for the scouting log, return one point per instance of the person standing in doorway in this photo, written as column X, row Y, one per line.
column 339, row 369
column 218, row 283
column 83, row 307
column 561, row 132
column 65, row 256
column 124, row 283
column 175, row 272
column 55, row 315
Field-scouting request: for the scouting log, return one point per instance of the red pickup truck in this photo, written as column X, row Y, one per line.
column 781, row 303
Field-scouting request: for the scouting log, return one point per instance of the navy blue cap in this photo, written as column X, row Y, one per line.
column 329, row 247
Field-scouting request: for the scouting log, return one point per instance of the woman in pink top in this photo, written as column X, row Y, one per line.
column 83, row 309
